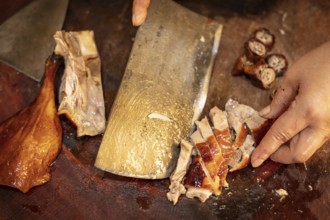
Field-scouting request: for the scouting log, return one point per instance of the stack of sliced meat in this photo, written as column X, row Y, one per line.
column 204, row 162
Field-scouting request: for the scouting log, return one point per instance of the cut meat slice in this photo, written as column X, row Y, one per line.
column 31, row 139
column 249, row 126
column 81, row 93
column 208, row 155
column 205, row 130
column 238, row 114
column 223, row 136
column 242, row 155
column 216, row 150
column 198, row 183
column 176, row 187
column 222, row 132
column 258, row 126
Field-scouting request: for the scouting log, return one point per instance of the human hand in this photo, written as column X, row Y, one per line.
column 301, row 107
column 140, row 9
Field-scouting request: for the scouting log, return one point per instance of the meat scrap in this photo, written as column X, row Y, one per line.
column 218, row 151
column 176, row 187
column 81, row 94
column 256, row 63
column 31, row 139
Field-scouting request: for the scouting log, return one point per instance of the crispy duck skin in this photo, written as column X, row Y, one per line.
column 208, row 156
column 244, row 120
column 31, row 139
column 197, row 182
column 208, row 135
column 81, row 93
column 219, row 151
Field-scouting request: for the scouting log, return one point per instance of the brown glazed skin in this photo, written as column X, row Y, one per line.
column 31, row 139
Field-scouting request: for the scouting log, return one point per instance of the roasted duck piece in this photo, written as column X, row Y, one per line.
column 226, row 145
column 223, row 136
column 198, row 182
column 209, row 155
column 81, row 93
column 247, row 124
column 31, row 139
column 206, row 131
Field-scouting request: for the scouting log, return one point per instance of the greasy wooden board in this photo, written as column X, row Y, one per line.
column 79, row 191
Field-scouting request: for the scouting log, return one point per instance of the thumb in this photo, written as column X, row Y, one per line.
column 140, row 10
column 284, row 96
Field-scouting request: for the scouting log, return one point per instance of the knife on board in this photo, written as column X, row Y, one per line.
column 162, row 93
column 26, row 38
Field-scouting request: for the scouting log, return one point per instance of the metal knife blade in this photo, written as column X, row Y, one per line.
column 162, row 93
column 26, row 39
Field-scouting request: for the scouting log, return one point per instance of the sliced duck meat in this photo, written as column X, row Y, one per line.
column 208, row 154
column 241, row 158
column 238, row 114
column 207, row 133
column 31, row 139
column 225, row 147
column 198, row 182
column 176, row 187
column 249, row 127
column 81, row 93
column 222, row 132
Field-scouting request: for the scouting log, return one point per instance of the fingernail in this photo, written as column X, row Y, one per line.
column 257, row 162
column 273, row 159
column 265, row 111
column 138, row 19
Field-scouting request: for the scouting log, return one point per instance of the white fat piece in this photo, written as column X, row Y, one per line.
column 219, row 119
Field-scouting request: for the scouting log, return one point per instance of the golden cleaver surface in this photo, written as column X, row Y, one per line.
column 162, row 93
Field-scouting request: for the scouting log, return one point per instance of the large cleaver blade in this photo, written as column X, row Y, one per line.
column 26, row 39
column 163, row 91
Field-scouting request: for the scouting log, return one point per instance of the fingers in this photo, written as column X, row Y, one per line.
column 284, row 128
column 284, row 95
column 140, row 8
column 301, row 148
